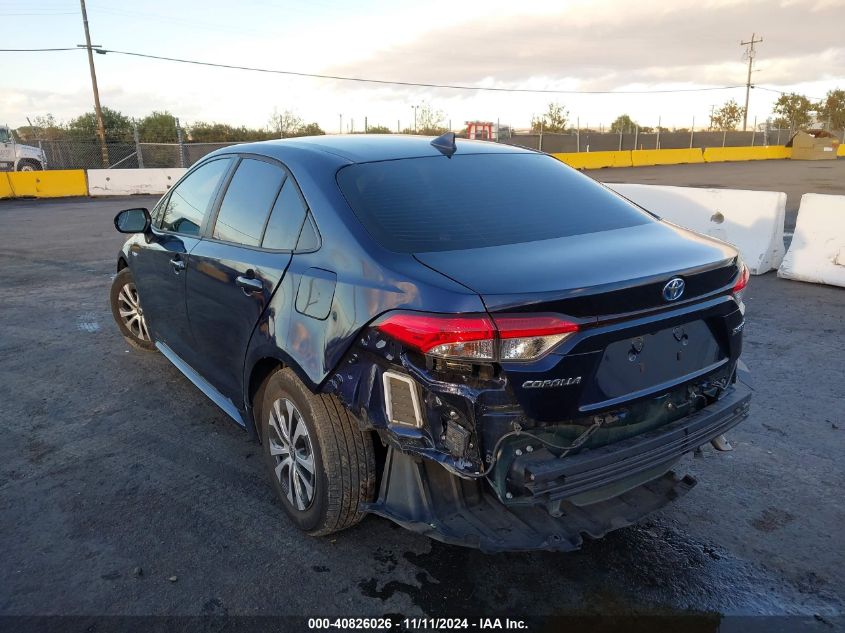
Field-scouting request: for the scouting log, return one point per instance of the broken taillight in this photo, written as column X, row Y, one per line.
column 742, row 281
column 478, row 337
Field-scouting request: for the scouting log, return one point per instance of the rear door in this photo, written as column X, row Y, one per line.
column 159, row 265
column 235, row 269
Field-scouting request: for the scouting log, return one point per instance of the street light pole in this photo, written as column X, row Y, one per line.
column 101, row 128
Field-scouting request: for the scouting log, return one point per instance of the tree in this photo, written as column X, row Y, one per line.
column 118, row 126
column 793, row 111
column 430, row 121
column 285, row 124
column 309, row 129
column 44, row 128
column 554, row 120
column 623, row 123
column 378, row 129
column 201, row 132
column 832, row 109
column 158, row 127
column 727, row 117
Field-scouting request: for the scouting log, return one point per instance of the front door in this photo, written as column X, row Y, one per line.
column 159, row 263
column 7, row 150
column 233, row 273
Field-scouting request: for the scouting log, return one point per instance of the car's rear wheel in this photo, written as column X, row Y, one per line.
column 320, row 462
column 128, row 313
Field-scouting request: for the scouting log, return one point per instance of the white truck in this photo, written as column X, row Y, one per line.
column 15, row 156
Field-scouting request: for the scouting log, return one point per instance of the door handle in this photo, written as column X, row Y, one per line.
column 177, row 264
column 249, row 284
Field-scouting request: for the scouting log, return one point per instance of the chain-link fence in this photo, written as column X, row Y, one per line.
column 592, row 141
column 87, row 153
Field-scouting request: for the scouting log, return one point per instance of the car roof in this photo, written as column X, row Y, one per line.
column 363, row 148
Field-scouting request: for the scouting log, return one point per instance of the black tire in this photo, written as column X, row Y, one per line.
column 32, row 165
column 344, row 466
column 134, row 331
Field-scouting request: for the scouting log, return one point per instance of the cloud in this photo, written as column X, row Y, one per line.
column 610, row 45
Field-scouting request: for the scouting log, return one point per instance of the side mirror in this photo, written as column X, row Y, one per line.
column 132, row 221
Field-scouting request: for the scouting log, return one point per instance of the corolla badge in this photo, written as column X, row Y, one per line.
column 673, row 290
column 550, row 384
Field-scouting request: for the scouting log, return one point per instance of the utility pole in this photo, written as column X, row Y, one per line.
column 749, row 53
column 98, row 111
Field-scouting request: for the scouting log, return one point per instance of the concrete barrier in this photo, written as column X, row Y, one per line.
column 5, row 186
column 595, row 160
column 763, row 152
column 750, row 220
column 44, row 184
column 644, row 157
column 126, row 182
column 817, row 251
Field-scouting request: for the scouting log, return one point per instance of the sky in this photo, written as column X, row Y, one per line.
column 599, row 45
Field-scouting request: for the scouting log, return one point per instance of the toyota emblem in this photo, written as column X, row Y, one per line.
column 673, row 290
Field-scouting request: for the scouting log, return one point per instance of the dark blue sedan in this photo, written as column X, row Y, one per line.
column 470, row 339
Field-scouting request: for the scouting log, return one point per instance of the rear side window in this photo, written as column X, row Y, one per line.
column 247, row 202
column 285, row 219
column 472, row 201
column 190, row 200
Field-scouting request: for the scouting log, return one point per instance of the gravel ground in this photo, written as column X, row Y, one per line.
column 123, row 490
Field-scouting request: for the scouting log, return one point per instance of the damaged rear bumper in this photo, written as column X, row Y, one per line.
column 559, row 501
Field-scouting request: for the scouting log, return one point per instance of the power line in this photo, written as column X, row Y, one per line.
column 407, row 83
column 784, row 92
column 35, row 50
column 386, row 81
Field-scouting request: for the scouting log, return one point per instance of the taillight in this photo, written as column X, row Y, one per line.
column 742, row 281
column 506, row 337
column 469, row 337
column 529, row 337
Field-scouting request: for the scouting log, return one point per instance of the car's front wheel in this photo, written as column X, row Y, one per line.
column 29, row 165
column 128, row 313
column 320, row 462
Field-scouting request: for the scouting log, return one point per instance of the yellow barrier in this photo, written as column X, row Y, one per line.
column 642, row 157
column 722, row 154
column 5, row 187
column 840, row 151
column 48, row 184
column 595, row 160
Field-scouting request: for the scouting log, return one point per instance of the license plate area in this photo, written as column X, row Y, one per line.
column 636, row 363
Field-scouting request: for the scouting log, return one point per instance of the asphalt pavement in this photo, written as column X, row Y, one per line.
column 124, row 491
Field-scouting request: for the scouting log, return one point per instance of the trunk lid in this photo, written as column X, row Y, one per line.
column 600, row 274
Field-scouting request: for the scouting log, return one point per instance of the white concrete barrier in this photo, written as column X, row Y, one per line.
column 817, row 251
column 125, row 182
column 750, row 220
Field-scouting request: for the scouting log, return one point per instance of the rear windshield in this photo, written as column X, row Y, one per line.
column 439, row 204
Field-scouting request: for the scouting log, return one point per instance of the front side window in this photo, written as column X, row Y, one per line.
column 4, row 136
column 190, row 200
column 248, row 200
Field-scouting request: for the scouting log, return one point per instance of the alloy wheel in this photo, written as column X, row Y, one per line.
column 290, row 445
column 129, row 308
